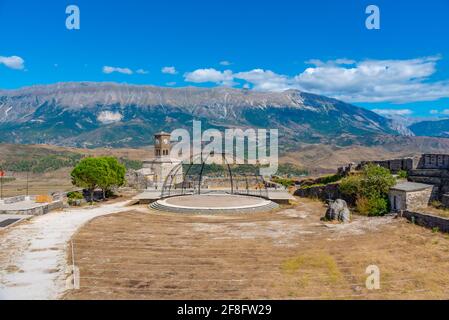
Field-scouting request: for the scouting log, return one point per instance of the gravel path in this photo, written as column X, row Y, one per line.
column 33, row 254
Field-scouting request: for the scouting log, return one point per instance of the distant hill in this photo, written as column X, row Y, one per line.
column 439, row 128
column 116, row 115
column 314, row 158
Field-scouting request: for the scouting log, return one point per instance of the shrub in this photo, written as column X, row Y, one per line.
column 402, row 174
column 376, row 181
column 74, row 198
column 370, row 188
column 75, row 195
column 362, row 206
column 374, row 206
column 351, row 186
column 436, row 204
column 285, row 182
column 330, row 179
column 312, row 186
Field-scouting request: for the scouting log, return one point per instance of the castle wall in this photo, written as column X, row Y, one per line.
column 433, row 169
column 394, row 165
column 434, row 161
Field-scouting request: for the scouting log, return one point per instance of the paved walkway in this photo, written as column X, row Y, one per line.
column 33, row 254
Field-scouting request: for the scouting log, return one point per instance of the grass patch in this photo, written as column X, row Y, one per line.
column 319, row 262
column 312, row 186
column 283, row 181
column 330, row 179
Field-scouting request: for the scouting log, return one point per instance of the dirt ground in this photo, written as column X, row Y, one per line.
column 44, row 183
column 288, row 254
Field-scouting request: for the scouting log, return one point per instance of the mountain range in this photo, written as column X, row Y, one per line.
column 437, row 128
column 88, row 114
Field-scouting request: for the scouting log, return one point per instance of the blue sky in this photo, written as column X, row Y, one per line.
column 319, row 46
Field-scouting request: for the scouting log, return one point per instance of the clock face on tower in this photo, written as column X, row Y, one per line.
column 158, row 142
column 165, row 141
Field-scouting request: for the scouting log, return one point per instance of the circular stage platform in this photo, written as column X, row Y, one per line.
column 213, row 204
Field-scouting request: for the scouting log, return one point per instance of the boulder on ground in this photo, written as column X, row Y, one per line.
column 338, row 210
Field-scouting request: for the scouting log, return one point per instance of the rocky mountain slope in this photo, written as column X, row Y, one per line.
column 118, row 115
column 438, row 128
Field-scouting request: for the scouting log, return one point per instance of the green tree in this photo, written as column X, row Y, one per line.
column 90, row 173
column 370, row 188
column 351, row 185
column 115, row 175
column 377, row 181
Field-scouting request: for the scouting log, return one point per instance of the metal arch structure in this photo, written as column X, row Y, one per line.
column 192, row 184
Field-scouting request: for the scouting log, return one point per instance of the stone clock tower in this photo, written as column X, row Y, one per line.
column 157, row 169
column 162, row 144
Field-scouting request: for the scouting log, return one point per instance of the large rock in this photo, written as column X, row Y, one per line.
column 338, row 210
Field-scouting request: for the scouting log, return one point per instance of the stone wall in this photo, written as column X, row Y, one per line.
column 445, row 200
column 330, row 191
column 439, row 178
column 434, row 161
column 418, row 199
column 394, row 165
column 427, row 220
column 346, row 170
column 136, row 180
column 37, row 211
column 12, row 200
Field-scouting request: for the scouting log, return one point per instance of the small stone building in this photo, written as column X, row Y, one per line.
column 410, row 196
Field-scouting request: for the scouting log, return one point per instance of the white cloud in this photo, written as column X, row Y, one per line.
column 211, row 75
column 335, row 62
column 109, row 70
column 393, row 112
column 169, row 70
column 107, row 117
column 397, row 81
column 141, row 71
column 225, row 63
column 13, row 62
column 374, row 80
column 264, row 80
column 441, row 112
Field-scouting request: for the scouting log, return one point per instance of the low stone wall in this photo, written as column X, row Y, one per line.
column 330, row 191
column 13, row 199
column 427, row 220
column 37, row 211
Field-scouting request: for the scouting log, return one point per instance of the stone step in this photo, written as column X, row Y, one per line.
column 160, row 207
column 425, row 179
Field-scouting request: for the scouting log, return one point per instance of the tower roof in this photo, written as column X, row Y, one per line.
column 162, row 133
